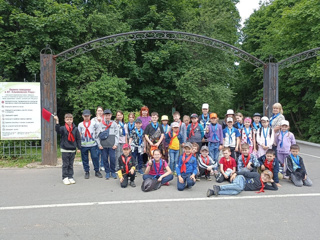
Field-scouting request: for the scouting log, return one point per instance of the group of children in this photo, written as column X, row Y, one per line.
column 255, row 151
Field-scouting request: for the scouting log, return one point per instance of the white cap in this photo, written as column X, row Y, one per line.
column 285, row 122
column 229, row 119
column 205, row 106
column 230, row 112
column 175, row 124
column 264, row 118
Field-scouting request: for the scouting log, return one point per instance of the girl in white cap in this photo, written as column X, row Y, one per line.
column 229, row 114
column 265, row 137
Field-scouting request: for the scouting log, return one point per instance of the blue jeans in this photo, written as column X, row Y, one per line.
column 163, row 181
column 214, row 150
column 85, row 158
column 105, row 153
column 138, row 156
column 99, row 157
column 174, row 157
column 188, row 182
column 236, row 187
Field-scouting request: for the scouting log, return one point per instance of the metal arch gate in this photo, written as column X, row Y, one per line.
column 48, row 74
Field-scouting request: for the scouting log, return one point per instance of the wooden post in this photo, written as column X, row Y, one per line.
column 270, row 87
column 49, row 102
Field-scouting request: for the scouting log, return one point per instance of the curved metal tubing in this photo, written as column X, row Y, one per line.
column 299, row 57
column 157, row 34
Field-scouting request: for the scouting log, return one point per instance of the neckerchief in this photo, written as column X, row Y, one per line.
column 87, row 132
column 296, row 160
column 155, row 126
column 268, row 164
column 230, row 134
column 265, row 134
column 247, row 134
column 205, row 161
column 272, row 118
column 139, row 135
column 245, row 163
column 107, row 125
column 255, row 125
column 131, row 126
column 172, row 137
column 165, row 128
column 239, row 126
column 122, row 126
column 126, row 163
column 184, row 161
column 205, row 121
column 262, row 186
column 214, row 136
column 70, row 135
column 155, row 168
column 282, row 136
column 193, row 127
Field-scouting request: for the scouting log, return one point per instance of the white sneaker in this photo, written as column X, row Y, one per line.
column 66, row 181
column 102, row 169
column 72, row 181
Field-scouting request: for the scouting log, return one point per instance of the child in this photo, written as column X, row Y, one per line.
column 247, row 181
column 186, row 120
column 155, row 169
column 144, row 116
column 166, row 129
column 239, row 123
column 182, row 126
column 204, row 120
column 89, row 133
column 265, row 137
column 284, row 139
column 247, row 135
column 97, row 120
column 228, row 166
column 214, row 136
column 256, row 122
column 136, row 142
column 229, row 114
column 131, row 124
column 154, row 135
column 127, row 166
column 186, row 169
column 195, row 132
column 206, row 163
column 296, row 169
column 174, row 140
column 247, row 162
column 270, row 162
column 108, row 142
column 70, row 140
column 122, row 134
column 195, row 150
column 231, row 137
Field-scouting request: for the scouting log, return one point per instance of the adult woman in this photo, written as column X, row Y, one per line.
column 144, row 116
column 97, row 120
column 277, row 117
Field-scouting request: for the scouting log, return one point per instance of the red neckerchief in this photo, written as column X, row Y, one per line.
column 126, row 163
column 87, row 132
column 107, row 125
column 269, row 165
column 262, row 186
column 70, row 135
column 245, row 163
column 204, row 160
column 184, row 161
column 172, row 137
column 192, row 129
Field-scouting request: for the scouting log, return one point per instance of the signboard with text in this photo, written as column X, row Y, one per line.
column 20, row 110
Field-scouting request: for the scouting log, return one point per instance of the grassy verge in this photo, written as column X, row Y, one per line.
column 17, row 162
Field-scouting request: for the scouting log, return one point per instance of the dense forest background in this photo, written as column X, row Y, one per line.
column 167, row 74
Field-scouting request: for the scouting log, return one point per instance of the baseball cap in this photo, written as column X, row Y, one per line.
column 194, row 115
column 164, row 118
column 213, row 115
column 230, row 112
column 204, row 148
column 107, row 111
column 229, row 119
column 86, row 112
column 175, row 124
column 187, row 145
column 285, row 122
column 257, row 115
column 264, row 118
column 126, row 146
column 205, row 106
column 138, row 120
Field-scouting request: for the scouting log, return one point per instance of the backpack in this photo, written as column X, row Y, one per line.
column 150, row 184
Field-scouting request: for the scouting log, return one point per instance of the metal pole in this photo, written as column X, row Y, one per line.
column 270, row 87
column 49, row 102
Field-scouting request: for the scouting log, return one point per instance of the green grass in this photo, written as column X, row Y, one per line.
column 18, row 162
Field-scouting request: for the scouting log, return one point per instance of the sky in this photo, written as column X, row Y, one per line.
column 246, row 8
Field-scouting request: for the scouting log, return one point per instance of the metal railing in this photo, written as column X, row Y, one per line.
column 20, row 148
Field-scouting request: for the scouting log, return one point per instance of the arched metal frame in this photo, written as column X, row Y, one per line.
column 299, row 57
column 156, row 34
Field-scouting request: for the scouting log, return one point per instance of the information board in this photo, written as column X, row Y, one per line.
column 20, row 110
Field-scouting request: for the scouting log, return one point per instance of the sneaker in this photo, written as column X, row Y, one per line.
column 174, row 174
column 198, row 178
column 285, row 177
column 98, row 174
column 102, row 169
column 132, row 184
column 166, row 184
column 66, row 181
column 216, row 190
column 141, row 171
column 114, row 175
column 86, row 175
column 107, row 176
column 209, row 178
column 210, row 192
column 72, row 181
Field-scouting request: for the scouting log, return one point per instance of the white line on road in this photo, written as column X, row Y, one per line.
column 157, row 201
column 309, row 155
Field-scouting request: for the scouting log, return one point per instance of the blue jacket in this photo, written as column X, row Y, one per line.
column 191, row 166
column 168, row 138
column 275, row 167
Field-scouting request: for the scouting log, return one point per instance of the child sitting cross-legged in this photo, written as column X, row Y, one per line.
column 247, row 181
column 270, row 162
column 247, row 162
column 206, row 163
column 127, row 167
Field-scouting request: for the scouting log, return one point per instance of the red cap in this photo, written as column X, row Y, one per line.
column 126, row 145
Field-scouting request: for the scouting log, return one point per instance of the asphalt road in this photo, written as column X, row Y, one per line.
column 34, row 204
